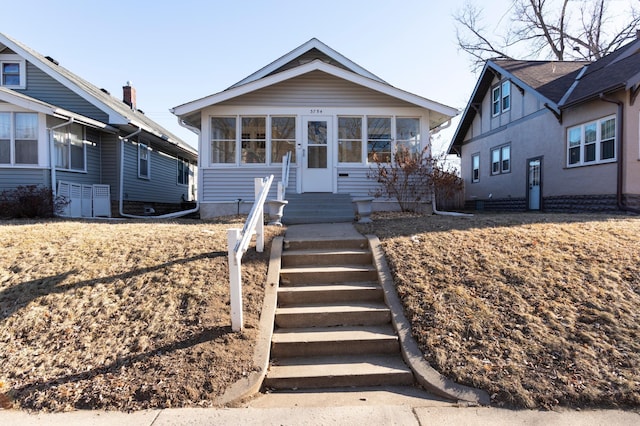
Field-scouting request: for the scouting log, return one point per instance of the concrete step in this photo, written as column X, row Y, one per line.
column 327, row 274
column 319, row 341
column 291, row 244
column 366, row 291
column 329, row 315
column 336, row 371
column 326, row 257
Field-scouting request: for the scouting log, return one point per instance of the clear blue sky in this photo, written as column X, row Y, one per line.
column 178, row 51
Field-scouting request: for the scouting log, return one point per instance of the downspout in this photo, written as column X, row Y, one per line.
column 620, row 161
column 51, row 156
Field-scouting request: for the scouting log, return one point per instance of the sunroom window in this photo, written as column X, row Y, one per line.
column 350, row 139
column 254, row 141
column 408, row 136
column 283, row 138
column 223, row 140
column 379, row 139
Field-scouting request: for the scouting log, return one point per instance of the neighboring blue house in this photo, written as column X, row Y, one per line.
column 57, row 130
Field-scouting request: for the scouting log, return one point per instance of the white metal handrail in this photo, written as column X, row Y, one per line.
column 238, row 241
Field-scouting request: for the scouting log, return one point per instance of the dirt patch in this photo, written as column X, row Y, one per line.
column 539, row 310
column 122, row 315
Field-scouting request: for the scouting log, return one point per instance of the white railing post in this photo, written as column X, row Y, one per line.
column 259, row 184
column 235, row 274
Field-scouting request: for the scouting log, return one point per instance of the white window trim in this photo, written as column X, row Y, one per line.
column 499, row 88
column 14, row 59
column 500, row 150
column 147, row 148
column 12, row 141
column 473, row 178
column 598, row 143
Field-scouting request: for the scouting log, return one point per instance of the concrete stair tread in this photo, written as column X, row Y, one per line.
column 357, row 285
column 312, row 269
column 334, row 334
column 334, row 366
column 332, row 308
column 323, row 251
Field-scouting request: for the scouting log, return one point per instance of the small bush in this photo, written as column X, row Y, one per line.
column 411, row 178
column 31, row 201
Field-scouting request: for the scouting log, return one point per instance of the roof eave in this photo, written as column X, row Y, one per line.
column 317, row 65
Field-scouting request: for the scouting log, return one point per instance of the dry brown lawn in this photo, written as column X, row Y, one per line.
column 122, row 315
column 538, row 309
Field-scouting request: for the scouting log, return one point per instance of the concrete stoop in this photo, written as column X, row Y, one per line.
column 332, row 325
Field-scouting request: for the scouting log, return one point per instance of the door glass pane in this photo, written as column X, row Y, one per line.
column 317, row 158
column 317, row 133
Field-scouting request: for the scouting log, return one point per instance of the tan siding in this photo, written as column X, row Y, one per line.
column 316, row 89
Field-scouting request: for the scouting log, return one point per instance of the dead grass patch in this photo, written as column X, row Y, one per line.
column 122, row 315
column 538, row 309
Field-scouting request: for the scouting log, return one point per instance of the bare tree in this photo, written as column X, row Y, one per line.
column 558, row 29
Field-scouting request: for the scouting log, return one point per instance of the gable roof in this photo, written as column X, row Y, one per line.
column 120, row 114
column 313, row 49
column 311, row 57
column 618, row 70
column 546, row 80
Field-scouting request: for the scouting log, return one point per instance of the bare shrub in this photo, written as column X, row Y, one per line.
column 411, row 178
column 30, row 201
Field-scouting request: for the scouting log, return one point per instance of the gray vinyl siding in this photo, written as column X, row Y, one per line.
column 218, row 186
column 12, row 177
column 110, row 153
column 93, row 166
column 318, row 89
column 45, row 88
column 356, row 183
column 163, row 185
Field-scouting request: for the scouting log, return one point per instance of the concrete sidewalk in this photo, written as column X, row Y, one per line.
column 340, row 415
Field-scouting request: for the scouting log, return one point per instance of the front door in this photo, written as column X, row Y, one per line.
column 534, row 180
column 317, row 170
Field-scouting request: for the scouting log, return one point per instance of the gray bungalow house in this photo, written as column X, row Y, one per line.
column 329, row 112
column 103, row 154
column 554, row 136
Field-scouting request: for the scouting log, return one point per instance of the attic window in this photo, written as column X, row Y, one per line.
column 12, row 72
column 501, row 98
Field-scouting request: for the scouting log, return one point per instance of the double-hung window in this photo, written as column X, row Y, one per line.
column 408, row 136
column 501, row 98
column 283, row 138
column 379, row 139
column 223, row 140
column 18, row 138
column 12, row 71
column 475, row 168
column 70, row 147
column 144, row 161
column 254, row 140
column 350, row 139
column 592, row 143
column 501, row 160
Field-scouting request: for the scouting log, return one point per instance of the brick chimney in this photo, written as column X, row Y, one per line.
column 129, row 95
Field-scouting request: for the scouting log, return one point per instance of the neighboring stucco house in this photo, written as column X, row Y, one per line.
column 553, row 136
column 62, row 132
column 330, row 113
